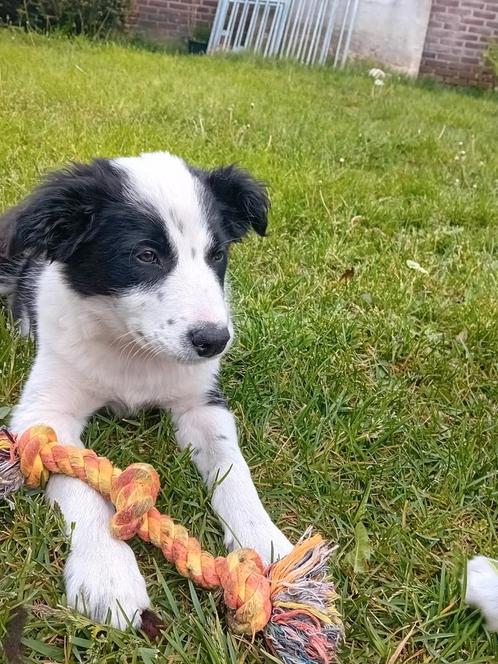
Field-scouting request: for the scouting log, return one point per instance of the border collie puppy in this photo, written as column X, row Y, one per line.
column 119, row 267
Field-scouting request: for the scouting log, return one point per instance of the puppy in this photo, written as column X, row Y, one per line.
column 118, row 268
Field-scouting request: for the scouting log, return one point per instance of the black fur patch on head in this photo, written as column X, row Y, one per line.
column 240, row 200
column 234, row 202
column 217, row 258
column 83, row 218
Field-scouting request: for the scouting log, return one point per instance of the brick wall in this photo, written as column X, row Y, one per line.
column 171, row 19
column 457, row 36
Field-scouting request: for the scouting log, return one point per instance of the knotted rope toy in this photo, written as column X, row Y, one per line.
column 291, row 600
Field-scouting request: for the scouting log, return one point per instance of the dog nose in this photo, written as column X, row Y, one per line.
column 208, row 339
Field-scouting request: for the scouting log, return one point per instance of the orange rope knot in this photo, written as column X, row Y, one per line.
column 133, row 493
column 291, row 600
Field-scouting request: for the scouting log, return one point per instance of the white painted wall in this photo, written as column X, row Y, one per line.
column 391, row 32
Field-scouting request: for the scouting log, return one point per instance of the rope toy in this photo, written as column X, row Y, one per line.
column 291, row 600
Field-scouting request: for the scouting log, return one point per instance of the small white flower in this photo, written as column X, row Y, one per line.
column 375, row 72
column 481, row 163
column 457, row 181
column 457, row 158
column 378, row 81
column 462, row 152
column 474, row 186
column 252, row 104
column 413, row 265
column 460, row 143
column 341, row 160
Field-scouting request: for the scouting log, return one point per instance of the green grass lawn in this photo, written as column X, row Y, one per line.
column 364, row 378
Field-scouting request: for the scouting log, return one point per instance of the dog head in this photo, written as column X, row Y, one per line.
column 148, row 239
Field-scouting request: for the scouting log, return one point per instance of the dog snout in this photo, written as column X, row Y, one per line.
column 209, row 339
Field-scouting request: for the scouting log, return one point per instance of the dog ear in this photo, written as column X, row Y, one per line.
column 60, row 214
column 243, row 199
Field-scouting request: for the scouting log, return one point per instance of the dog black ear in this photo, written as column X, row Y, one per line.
column 60, row 214
column 243, row 199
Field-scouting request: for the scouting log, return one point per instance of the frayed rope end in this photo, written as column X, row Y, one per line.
column 11, row 477
column 305, row 627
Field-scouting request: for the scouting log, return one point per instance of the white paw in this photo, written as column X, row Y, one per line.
column 482, row 589
column 103, row 582
column 265, row 538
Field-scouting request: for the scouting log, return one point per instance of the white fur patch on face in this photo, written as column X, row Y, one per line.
column 191, row 295
column 165, row 182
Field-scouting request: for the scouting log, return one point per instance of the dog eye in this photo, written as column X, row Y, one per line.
column 218, row 256
column 148, row 256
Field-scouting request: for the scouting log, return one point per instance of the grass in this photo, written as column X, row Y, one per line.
column 364, row 379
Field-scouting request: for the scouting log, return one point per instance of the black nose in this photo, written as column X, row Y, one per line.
column 208, row 339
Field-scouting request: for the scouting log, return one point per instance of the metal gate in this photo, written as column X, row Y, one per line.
column 298, row 29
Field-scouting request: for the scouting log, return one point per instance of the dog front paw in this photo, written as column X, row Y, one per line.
column 103, row 582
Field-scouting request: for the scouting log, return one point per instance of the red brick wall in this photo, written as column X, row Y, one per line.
column 171, row 19
column 457, row 36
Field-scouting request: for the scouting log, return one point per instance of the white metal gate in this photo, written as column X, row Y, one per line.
column 297, row 29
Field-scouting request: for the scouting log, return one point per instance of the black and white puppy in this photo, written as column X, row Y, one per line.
column 119, row 267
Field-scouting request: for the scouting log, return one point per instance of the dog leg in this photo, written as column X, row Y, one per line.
column 211, row 433
column 102, row 577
